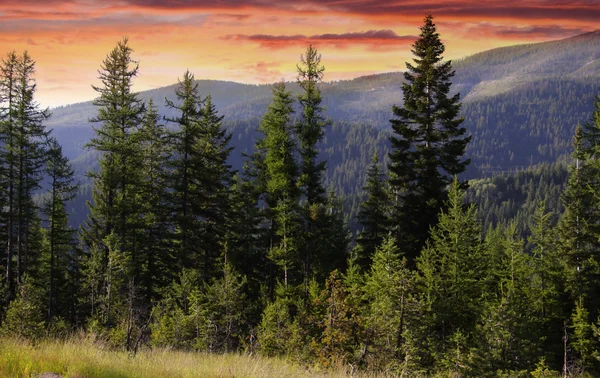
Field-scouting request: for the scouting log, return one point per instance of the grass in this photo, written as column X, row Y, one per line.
column 84, row 358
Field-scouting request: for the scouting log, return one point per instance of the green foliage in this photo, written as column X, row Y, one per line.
column 373, row 215
column 24, row 316
column 428, row 142
column 452, row 269
column 392, row 307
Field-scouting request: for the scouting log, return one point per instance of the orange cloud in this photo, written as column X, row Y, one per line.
column 257, row 41
column 371, row 38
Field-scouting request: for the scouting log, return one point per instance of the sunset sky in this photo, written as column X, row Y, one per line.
column 260, row 41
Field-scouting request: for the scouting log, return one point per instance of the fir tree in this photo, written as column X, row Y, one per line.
column 428, row 142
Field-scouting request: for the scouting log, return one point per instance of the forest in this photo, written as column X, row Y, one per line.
column 421, row 273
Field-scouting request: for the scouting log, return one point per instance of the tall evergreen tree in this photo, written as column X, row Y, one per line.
column 579, row 226
column 62, row 189
column 310, row 130
column 114, row 211
column 8, row 96
column 187, row 168
column 22, row 153
column 280, row 177
column 217, row 208
column 428, row 141
column 155, row 253
column 200, row 178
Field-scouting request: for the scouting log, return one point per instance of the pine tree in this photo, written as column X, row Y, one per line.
column 509, row 337
column 576, row 226
column 223, row 305
column 62, row 189
column 428, row 142
column 373, row 215
column 24, row 316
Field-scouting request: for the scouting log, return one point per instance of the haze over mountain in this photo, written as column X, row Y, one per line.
column 520, row 103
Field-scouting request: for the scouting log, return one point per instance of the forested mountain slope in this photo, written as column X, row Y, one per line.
column 520, row 103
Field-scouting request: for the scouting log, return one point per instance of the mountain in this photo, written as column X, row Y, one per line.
column 520, row 103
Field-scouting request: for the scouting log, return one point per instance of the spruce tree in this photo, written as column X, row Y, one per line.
column 427, row 144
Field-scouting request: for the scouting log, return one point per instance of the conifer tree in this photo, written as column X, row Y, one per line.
column 579, row 227
column 508, row 327
column 62, row 189
column 280, row 177
column 186, row 167
column 215, row 185
column 310, row 130
column 200, row 178
column 390, row 289
column 155, row 253
column 549, row 298
column 246, row 240
column 8, row 97
column 373, row 215
column 576, row 226
column 114, row 211
column 427, row 144
column 30, row 150
column 452, row 273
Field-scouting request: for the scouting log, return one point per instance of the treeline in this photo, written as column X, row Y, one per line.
column 181, row 251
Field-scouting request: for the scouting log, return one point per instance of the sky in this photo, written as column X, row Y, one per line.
column 260, row 41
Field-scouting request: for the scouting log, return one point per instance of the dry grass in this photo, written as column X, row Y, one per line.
column 84, row 358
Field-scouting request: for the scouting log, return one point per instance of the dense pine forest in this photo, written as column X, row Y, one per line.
column 431, row 267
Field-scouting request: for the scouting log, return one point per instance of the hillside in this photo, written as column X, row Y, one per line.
column 520, row 103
